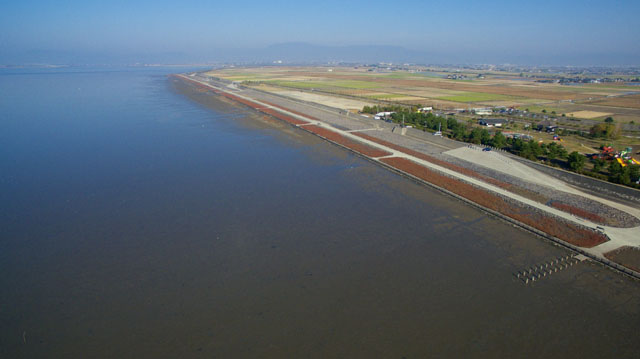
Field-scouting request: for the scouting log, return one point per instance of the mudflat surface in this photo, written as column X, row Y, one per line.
column 145, row 223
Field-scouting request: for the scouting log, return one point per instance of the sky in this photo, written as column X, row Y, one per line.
column 561, row 32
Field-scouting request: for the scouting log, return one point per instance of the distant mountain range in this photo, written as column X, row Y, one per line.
column 305, row 53
column 286, row 52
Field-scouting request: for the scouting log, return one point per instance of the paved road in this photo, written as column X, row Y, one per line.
column 341, row 119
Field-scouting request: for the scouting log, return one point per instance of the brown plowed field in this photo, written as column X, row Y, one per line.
column 346, row 142
column 567, row 232
column 632, row 101
column 462, row 86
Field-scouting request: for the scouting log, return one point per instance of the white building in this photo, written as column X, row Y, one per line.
column 483, row 111
column 383, row 115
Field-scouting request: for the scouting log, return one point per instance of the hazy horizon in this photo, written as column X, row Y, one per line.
column 545, row 33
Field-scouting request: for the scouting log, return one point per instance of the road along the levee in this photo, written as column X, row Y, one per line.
column 564, row 228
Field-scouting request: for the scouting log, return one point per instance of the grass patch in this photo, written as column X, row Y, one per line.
column 299, row 84
column 385, row 96
column 400, row 75
column 347, row 84
column 243, row 78
column 477, row 97
column 355, row 84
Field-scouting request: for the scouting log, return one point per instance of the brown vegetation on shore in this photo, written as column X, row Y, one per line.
column 626, row 256
column 578, row 212
column 568, row 232
column 346, row 142
column 521, row 191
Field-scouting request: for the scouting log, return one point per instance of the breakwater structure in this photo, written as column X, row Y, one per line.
column 555, row 223
column 543, row 270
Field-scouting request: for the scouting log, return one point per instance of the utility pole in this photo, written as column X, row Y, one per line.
column 403, row 120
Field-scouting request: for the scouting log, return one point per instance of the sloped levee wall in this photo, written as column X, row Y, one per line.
column 601, row 187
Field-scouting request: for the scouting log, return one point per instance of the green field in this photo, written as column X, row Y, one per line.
column 477, row 97
column 401, row 75
column 539, row 108
column 299, row 84
column 355, row 84
column 349, row 84
column 244, row 78
column 385, row 96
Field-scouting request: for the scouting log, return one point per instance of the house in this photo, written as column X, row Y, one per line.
column 482, row 111
column 425, row 109
column 491, row 122
column 548, row 126
column 383, row 115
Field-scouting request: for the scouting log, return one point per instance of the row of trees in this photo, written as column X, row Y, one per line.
column 553, row 152
column 387, row 108
column 623, row 175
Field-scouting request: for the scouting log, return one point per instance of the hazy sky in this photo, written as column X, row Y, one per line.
column 468, row 31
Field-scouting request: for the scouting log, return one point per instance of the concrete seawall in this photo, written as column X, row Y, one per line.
column 611, row 189
column 549, row 223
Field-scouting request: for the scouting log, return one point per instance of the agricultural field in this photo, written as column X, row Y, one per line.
column 588, row 114
column 631, row 101
column 429, row 86
column 476, row 97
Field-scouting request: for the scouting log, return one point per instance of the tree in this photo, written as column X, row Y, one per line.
column 634, row 172
column 608, row 120
column 457, row 130
column 554, row 150
column 598, row 163
column 517, row 145
column 562, row 152
column 625, row 176
column 485, row 137
column 576, row 161
column 606, row 130
column 499, row 141
column 614, row 171
column 534, row 150
column 475, row 136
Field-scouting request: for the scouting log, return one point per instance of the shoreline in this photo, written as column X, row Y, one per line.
column 550, row 222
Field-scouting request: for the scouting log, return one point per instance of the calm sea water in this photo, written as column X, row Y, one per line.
column 136, row 222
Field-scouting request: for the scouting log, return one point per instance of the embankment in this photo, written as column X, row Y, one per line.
column 527, row 216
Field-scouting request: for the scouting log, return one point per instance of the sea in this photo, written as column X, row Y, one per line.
column 141, row 218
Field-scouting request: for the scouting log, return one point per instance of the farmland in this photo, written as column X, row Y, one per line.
column 479, row 97
column 447, row 89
